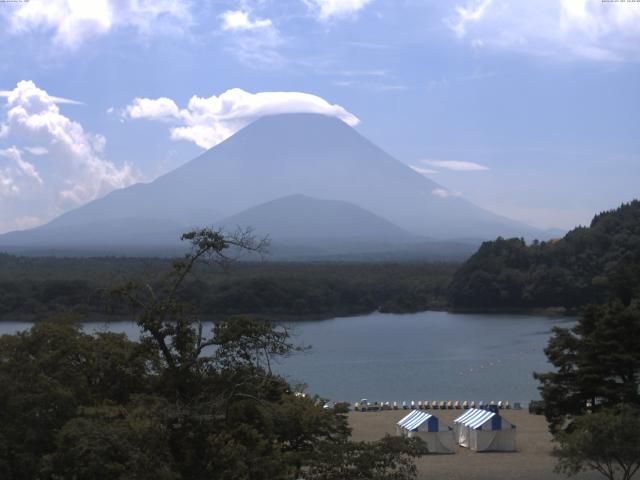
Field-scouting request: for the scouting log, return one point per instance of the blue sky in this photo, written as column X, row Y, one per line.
column 527, row 108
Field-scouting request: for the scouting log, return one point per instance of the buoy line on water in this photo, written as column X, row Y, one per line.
column 497, row 362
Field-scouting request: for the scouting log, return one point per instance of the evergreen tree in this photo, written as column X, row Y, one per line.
column 597, row 363
column 607, row 441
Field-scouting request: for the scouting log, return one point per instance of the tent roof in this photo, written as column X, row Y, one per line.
column 414, row 420
column 475, row 417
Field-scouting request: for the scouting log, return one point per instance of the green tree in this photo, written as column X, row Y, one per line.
column 181, row 403
column 607, row 441
column 50, row 371
column 170, row 325
column 597, row 363
column 589, row 265
column 114, row 442
column 236, row 412
column 391, row 458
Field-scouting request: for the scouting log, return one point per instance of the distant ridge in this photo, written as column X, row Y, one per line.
column 303, row 218
column 272, row 158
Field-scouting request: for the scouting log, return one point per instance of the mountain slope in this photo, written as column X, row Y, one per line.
column 300, row 218
column 278, row 156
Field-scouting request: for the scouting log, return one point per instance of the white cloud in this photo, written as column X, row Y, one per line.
column 22, row 167
column 455, row 165
column 57, row 100
column 376, row 80
column 468, row 14
column 444, row 193
column 37, row 150
column 328, row 9
column 422, row 170
column 588, row 29
column 67, row 169
column 8, row 188
column 22, row 223
column 254, row 42
column 239, row 20
column 72, row 22
column 209, row 121
column 159, row 109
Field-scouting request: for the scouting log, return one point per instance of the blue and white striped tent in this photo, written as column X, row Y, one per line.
column 483, row 430
column 437, row 435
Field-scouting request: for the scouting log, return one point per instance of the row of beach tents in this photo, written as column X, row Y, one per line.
column 476, row 429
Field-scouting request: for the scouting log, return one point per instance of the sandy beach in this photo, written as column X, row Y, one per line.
column 532, row 461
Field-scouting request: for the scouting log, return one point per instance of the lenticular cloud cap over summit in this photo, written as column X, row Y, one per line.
column 211, row 120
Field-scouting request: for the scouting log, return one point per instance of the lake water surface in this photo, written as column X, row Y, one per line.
column 422, row 356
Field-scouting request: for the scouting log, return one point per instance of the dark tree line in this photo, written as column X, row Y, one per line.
column 589, row 265
column 31, row 288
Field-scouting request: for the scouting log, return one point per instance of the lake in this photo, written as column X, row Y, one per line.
column 421, row 356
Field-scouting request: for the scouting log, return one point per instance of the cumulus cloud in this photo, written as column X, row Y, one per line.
column 72, row 22
column 209, row 121
column 588, row 29
column 444, row 193
column 66, row 167
column 329, row 9
column 455, row 165
column 21, row 166
column 160, row 109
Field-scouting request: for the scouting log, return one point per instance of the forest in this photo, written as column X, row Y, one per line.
column 589, row 265
column 33, row 287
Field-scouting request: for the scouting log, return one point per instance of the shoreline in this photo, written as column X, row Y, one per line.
column 101, row 317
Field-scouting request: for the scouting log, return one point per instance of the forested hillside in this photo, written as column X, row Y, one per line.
column 589, row 265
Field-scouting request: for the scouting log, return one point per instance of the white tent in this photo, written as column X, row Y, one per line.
column 438, row 436
column 483, row 430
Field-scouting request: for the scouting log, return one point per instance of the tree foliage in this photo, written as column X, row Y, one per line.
column 592, row 399
column 607, row 441
column 391, row 458
column 33, row 287
column 597, row 363
column 47, row 374
column 181, row 403
column 588, row 265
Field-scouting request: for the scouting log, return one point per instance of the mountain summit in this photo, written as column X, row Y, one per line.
column 310, row 220
column 274, row 157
